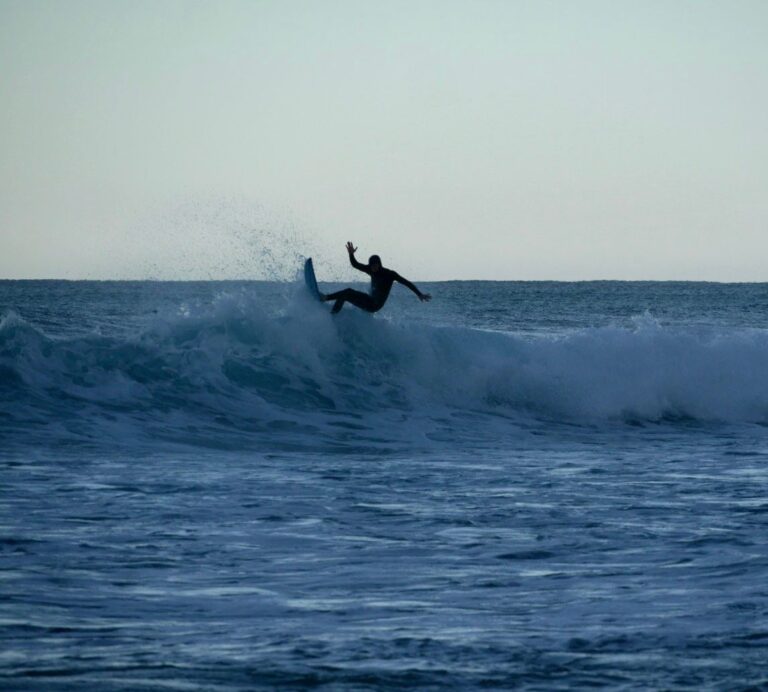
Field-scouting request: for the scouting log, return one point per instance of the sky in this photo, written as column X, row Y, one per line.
column 568, row 140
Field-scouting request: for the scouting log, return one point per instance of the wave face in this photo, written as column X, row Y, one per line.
column 236, row 370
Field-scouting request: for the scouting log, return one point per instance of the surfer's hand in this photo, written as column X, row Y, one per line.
column 425, row 297
column 351, row 249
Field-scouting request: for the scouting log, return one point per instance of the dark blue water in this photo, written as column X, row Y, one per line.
column 534, row 485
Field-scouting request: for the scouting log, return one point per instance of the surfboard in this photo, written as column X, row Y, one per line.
column 310, row 280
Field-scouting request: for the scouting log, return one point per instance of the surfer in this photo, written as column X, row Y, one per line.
column 381, row 284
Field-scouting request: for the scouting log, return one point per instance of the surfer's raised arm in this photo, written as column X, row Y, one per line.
column 351, row 249
column 408, row 284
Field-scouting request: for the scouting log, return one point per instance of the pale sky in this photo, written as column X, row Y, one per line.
column 616, row 139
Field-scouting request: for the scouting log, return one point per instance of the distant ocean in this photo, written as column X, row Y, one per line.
column 540, row 486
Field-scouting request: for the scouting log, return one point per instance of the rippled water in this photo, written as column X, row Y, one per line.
column 560, row 496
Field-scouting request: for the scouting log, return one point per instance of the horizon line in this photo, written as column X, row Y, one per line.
column 424, row 281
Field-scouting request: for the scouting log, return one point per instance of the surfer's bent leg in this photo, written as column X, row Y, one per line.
column 357, row 298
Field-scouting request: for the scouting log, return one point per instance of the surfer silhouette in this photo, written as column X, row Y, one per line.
column 381, row 284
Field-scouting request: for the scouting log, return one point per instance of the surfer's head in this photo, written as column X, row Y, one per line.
column 374, row 263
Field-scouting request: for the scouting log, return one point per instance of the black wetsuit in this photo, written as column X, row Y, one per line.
column 381, row 285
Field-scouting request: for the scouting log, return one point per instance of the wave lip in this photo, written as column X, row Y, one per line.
column 234, row 365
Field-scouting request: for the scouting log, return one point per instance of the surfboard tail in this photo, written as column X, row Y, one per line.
column 311, row 281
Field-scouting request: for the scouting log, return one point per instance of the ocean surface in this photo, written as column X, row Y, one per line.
column 538, row 486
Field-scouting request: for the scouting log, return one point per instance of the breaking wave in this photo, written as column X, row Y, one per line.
column 235, row 373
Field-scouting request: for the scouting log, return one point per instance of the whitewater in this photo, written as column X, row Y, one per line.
column 533, row 485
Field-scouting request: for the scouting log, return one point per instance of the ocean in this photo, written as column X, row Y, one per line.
column 520, row 485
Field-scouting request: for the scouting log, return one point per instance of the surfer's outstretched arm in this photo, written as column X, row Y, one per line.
column 351, row 249
column 408, row 284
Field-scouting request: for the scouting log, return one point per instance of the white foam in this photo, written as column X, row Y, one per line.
column 237, row 356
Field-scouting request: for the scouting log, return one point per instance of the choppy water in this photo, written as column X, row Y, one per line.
column 532, row 485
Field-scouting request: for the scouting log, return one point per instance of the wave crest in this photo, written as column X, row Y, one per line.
column 235, row 365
